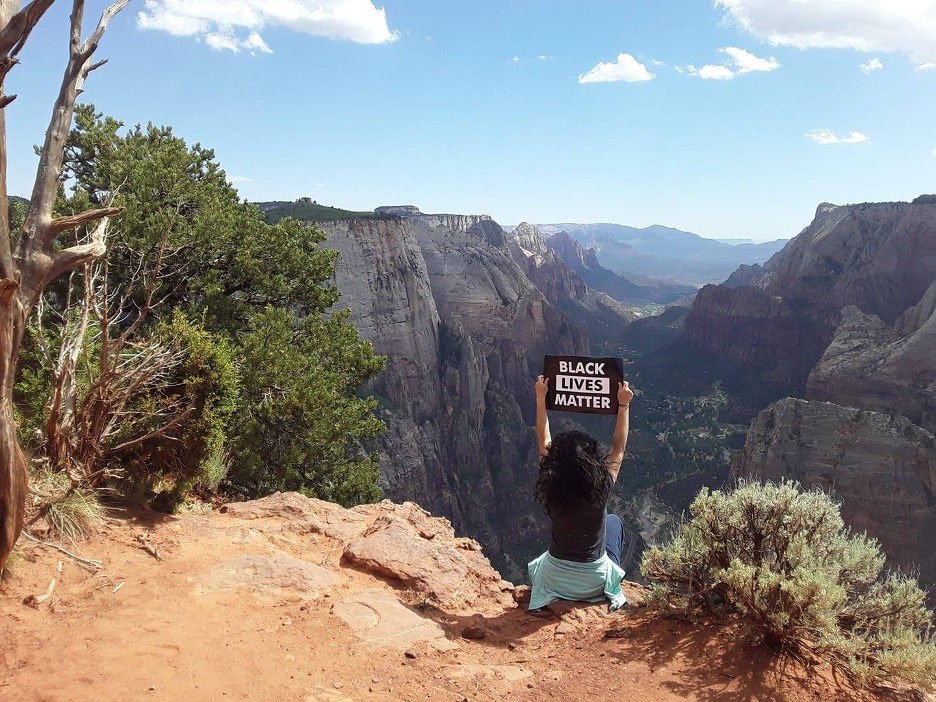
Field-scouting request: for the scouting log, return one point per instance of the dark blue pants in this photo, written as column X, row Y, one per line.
column 614, row 538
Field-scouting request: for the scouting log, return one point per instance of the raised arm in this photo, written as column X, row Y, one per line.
column 542, row 421
column 621, row 429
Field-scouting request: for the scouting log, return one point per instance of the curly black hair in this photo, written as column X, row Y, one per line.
column 574, row 473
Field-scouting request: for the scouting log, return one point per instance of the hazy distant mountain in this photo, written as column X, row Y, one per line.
column 665, row 253
column 584, row 262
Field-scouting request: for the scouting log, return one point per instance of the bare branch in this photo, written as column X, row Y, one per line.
column 61, row 224
column 14, row 35
column 106, row 16
column 161, row 431
column 74, row 256
column 37, row 235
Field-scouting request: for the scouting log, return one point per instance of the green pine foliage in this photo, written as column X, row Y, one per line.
column 271, row 370
column 784, row 559
column 307, row 210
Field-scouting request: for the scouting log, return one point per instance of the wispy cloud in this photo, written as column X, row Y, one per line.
column 527, row 59
column 827, row 136
column 926, row 66
column 873, row 64
column 739, row 63
column 625, row 68
column 239, row 179
column 235, row 25
column 866, row 25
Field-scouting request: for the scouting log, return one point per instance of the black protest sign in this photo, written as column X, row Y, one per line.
column 582, row 384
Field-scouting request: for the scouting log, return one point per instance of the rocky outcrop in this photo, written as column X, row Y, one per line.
column 396, row 211
column 602, row 316
column 881, row 466
column 464, row 331
column 744, row 275
column 879, row 258
column 401, row 542
column 869, row 364
column 749, row 326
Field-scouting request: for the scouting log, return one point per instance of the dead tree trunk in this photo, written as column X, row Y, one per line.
column 28, row 266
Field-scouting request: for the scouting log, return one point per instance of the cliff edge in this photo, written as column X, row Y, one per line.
column 293, row 599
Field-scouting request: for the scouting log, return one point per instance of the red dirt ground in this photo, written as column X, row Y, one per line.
column 142, row 629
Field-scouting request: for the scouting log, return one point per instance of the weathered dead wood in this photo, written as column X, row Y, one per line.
column 36, row 600
column 87, row 563
column 147, row 546
column 27, row 267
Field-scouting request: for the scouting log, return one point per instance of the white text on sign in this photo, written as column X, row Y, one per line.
column 575, row 383
column 583, row 401
column 589, row 368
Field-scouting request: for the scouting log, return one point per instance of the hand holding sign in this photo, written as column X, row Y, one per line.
column 581, row 384
column 624, row 394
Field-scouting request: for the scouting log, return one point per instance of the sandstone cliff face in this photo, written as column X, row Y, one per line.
column 845, row 315
column 548, row 272
column 584, row 261
column 759, row 330
column 603, row 317
column 880, row 258
column 882, row 467
column 871, row 365
column 464, row 331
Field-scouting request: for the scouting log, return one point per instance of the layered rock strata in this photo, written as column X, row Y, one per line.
column 603, row 317
column 882, row 468
column 464, row 331
column 880, row 258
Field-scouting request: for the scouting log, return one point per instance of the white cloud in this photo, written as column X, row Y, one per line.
column 711, row 72
column 906, row 26
column 934, row 152
column 743, row 62
column 871, row 66
column 235, row 25
column 545, row 57
column 827, row 136
column 625, row 68
column 856, row 138
column 239, row 179
column 746, row 62
column 925, row 66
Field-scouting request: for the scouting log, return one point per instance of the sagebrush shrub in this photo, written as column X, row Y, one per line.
column 784, row 559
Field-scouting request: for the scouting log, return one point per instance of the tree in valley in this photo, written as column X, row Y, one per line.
column 30, row 259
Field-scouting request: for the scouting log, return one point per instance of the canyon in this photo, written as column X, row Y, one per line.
column 464, row 329
column 840, row 324
column 841, row 320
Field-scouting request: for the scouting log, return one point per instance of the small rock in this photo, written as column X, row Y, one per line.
column 565, row 627
column 409, row 653
column 474, row 632
column 511, row 646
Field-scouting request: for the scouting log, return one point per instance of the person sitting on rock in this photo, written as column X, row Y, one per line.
column 583, row 562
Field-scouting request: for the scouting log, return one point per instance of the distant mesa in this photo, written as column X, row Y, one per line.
column 397, row 211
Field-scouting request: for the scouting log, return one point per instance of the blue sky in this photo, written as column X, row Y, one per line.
column 730, row 119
